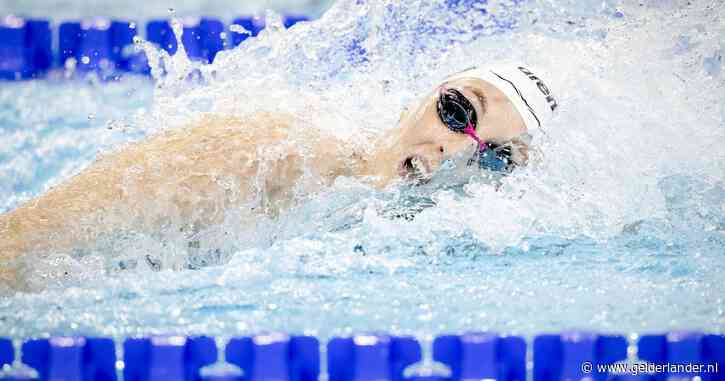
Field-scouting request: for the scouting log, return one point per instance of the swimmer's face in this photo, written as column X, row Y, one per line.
column 424, row 141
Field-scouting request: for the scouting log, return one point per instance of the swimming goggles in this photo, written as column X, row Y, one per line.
column 459, row 115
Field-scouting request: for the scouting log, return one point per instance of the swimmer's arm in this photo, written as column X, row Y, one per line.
column 53, row 220
column 185, row 176
column 56, row 218
column 114, row 192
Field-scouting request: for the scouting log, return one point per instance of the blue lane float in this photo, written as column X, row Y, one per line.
column 7, row 352
column 275, row 357
column 39, row 45
column 122, row 35
column 202, row 37
column 71, row 358
column 480, row 356
column 104, row 46
column 560, row 357
column 167, row 358
column 95, row 46
column 25, row 47
column 377, row 357
column 12, row 45
column 69, row 33
column 371, row 357
column 210, row 38
column 160, row 33
column 98, row 45
column 684, row 348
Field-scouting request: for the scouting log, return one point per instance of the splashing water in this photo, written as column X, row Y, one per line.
column 620, row 226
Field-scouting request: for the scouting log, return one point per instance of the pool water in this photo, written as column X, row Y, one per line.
column 619, row 227
column 140, row 10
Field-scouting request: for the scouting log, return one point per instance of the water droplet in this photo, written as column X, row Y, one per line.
column 238, row 29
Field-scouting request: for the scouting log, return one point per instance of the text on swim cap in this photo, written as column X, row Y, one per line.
column 542, row 87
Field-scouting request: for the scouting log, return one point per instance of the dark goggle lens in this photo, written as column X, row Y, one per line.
column 455, row 110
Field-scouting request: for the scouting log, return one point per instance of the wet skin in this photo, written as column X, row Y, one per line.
column 422, row 142
column 257, row 165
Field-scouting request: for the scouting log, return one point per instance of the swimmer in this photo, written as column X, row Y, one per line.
column 261, row 164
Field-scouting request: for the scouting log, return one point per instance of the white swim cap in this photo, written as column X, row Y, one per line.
column 527, row 91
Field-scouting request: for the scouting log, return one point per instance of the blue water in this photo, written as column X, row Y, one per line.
column 620, row 226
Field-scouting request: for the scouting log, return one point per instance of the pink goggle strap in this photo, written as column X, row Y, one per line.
column 470, row 131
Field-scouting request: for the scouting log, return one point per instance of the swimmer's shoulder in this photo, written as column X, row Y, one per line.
column 257, row 128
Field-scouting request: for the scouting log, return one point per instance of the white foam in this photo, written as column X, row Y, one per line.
column 625, row 204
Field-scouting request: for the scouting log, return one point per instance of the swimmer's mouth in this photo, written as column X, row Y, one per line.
column 416, row 169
